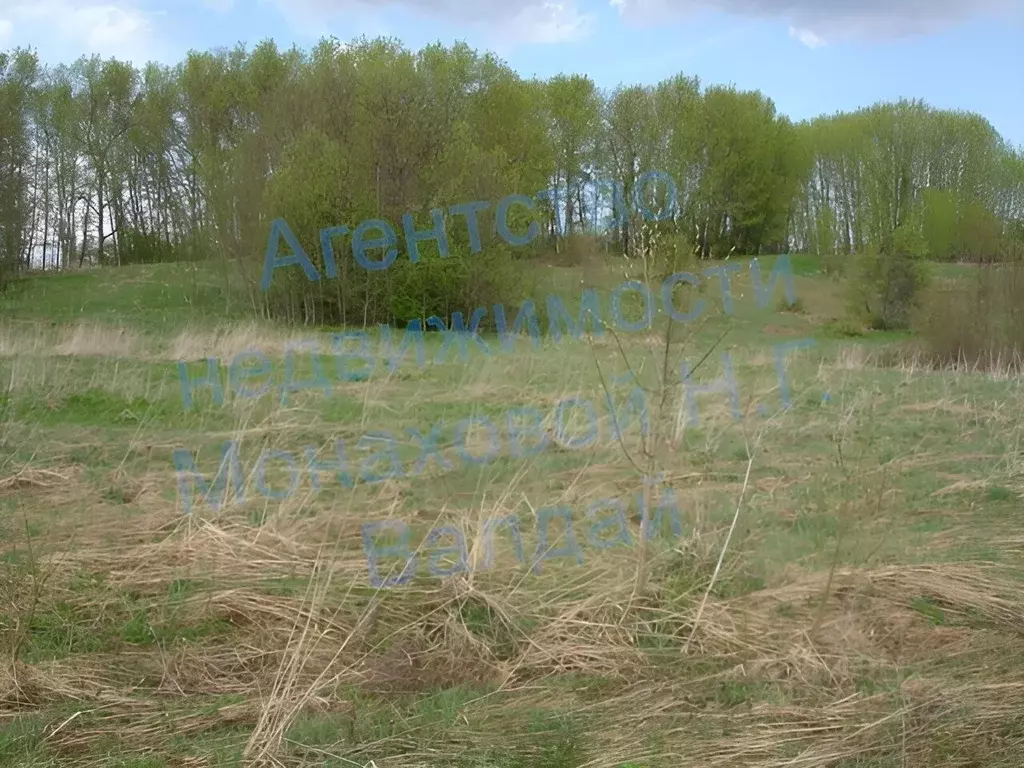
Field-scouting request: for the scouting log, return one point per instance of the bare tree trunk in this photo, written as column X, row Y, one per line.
column 99, row 216
column 85, row 234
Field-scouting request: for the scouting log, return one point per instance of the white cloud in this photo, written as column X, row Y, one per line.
column 815, row 21
column 108, row 26
column 507, row 22
column 550, row 23
column 6, row 32
column 807, row 37
column 78, row 26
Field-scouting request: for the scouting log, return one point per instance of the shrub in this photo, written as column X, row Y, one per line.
column 438, row 286
column 979, row 321
column 459, row 283
column 887, row 284
column 137, row 247
column 833, row 265
column 843, row 328
column 797, row 307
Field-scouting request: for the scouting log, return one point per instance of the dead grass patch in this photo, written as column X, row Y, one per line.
column 226, row 341
column 29, row 477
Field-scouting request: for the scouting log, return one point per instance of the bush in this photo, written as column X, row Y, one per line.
column 797, row 307
column 977, row 322
column 459, row 283
column 833, row 265
column 438, row 286
column 137, row 247
column 887, row 284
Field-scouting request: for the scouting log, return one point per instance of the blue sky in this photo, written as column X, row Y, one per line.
column 810, row 56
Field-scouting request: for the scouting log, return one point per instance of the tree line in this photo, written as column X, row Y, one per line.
column 105, row 163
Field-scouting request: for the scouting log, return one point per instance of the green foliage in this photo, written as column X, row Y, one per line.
column 193, row 162
column 352, row 164
column 947, row 174
column 755, row 166
column 18, row 71
column 940, row 223
column 887, row 285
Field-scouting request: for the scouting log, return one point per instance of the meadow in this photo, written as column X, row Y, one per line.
column 846, row 592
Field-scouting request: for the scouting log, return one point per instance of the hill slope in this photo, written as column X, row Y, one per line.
column 842, row 589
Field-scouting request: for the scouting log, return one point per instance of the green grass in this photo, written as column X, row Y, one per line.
column 168, row 636
column 150, row 297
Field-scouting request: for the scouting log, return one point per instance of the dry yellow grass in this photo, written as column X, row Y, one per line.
column 866, row 611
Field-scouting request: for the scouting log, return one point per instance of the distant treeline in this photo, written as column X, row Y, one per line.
column 104, row 163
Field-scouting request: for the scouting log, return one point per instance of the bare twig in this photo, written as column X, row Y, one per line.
column 629, row 366
column 828, row 586
column 615, row 420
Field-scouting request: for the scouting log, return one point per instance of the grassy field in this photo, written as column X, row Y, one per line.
column 847, row 590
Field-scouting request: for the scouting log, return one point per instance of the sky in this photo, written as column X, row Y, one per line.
column 811, row 57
